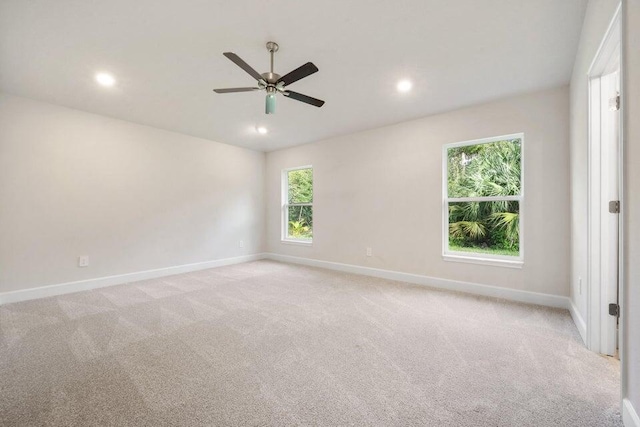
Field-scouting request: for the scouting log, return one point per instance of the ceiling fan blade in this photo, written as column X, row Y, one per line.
column 303, row 98
column 299, row 73
column 236, row 89
column 240, row 63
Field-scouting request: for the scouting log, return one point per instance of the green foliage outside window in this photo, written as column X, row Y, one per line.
column 300, row 190
column 485, row 170
column 300, row 186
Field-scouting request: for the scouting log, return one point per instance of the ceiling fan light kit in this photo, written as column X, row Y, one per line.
column 273, row 83
column 270, row 104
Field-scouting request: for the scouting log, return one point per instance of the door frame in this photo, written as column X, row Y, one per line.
column 597, row 317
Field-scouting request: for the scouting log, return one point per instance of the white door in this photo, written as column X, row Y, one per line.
column 610, row 157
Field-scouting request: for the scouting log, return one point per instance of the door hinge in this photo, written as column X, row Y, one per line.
column 614, row 206
column 614, row 310
column 614, row 103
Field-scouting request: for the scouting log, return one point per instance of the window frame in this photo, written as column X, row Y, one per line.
column 284, row 222
column 474, row 257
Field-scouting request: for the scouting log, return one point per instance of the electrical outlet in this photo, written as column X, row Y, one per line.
column 241, row 244
column 369, row 252
column 83, row 261
column 580, row 285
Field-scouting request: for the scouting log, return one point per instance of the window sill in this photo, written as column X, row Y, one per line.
column 495, row 262
column 297, row 242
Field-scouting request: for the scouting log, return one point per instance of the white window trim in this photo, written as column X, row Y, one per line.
column 472, row 257
column 284, row 185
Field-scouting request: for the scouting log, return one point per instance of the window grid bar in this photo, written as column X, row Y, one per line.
column 483, row 199
column 298, row 204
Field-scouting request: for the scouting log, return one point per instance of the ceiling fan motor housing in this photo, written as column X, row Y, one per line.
column 271, row 78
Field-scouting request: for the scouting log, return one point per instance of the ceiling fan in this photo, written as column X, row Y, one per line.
column 272, row 82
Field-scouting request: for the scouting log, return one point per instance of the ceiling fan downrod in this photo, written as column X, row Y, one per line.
column 271, row 79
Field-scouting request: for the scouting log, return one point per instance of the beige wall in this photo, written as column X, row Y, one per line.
column 597, row 19
column 631, row 207
column 131, row 197
column 383, row 189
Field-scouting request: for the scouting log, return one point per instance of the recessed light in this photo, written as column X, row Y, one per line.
column 404, row 85
column 105, row 79
column 262, row 130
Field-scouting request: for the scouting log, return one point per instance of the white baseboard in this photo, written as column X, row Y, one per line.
column 578, row 320
column 629, row 415
column 83, row 285
column 452, row 285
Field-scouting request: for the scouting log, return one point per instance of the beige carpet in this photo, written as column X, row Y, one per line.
column 266, row 343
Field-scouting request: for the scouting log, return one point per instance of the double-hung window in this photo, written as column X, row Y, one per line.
column 297, row 205
column 483, row 196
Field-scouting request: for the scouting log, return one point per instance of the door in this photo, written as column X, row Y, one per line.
column 610, row 158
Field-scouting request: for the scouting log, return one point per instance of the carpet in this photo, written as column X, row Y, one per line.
column 269, row 344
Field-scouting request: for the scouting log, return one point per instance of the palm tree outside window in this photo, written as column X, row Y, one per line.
column 483, row 197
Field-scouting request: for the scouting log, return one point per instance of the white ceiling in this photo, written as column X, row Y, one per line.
column 167, row 58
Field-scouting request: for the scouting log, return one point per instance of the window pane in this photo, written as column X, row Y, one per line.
column 300, row 224
column 484, row 170
column 300, row 185
column 485, row 227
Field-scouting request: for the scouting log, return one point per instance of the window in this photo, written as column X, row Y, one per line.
column 297, row 205
column 483, row 194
